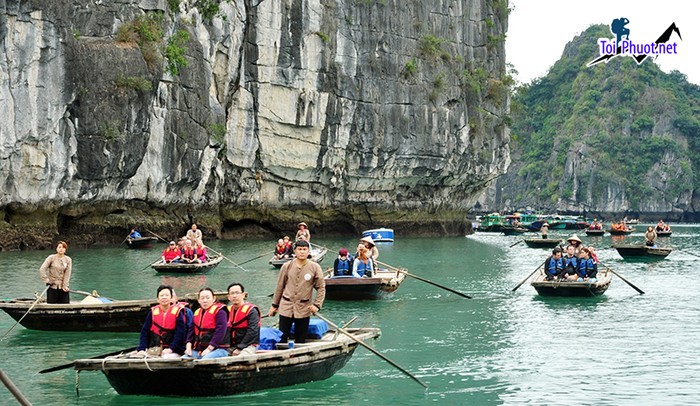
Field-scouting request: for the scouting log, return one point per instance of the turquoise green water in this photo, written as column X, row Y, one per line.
column 501, row 347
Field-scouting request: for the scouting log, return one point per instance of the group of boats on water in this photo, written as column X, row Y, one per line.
column 518, row 224
column 318, row 358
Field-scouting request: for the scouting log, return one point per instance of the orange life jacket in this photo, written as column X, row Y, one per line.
column 189, row 253
column 204, row 326
column 163, row 325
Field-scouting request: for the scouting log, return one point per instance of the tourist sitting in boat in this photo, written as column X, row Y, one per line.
column 194, row 234
column 595, row 225
column 362, row 265
column 661, row 226
column 165, row 327
column 188, row 253
column 303, row 232
column 587, row 267
column 544, row 230
column 290, row 245
column 575, row 242
column 134, row 234
column 244, row 322
column 650, row 237
column 201, row 251
column 282, row 249
column 570, row 264
column 369, row 243
column 171, row 254
column 208, row 337
column 343, row 265
column 554, row 265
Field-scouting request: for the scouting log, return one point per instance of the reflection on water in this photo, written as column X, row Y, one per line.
column 499, row 347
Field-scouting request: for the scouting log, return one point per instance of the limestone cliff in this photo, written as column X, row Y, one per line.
column 240, row 114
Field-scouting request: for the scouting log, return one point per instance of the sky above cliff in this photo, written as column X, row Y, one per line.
column 538, row 30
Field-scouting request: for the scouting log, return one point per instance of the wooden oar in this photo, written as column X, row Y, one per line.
column 70, row 364
column 93, row 294
column 157, row 236
column 424, row 280
column 528, row 277
column 13, row 389
column 513, row 245
column 641, row 292
column 379, row 354
column 127, row 237
column 258, row 257
column 26, row 313
column 226, row 258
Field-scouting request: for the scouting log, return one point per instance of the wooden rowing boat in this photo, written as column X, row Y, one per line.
column 627, row 231
column 203, row 267
column 141, row 242
column 571, row 289
column 509, row 230
column 117, row 316
column 641, row 251
column 317, row 254
column 542, row 242
column 664, row 233
column 313, row 361
column 379, row 286
column 595, row 233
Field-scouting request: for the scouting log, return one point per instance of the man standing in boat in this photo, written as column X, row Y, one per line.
column 294, row 293
column 244, row 322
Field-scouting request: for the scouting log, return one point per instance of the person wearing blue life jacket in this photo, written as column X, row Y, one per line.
column 554, row 265
column 587, row 267
column 134, row 234
column 570, row 264
column 363, row 265
column 343, row 264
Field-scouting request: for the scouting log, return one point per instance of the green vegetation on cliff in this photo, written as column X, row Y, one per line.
column 615, row 136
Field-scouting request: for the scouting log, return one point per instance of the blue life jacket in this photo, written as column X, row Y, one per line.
column 344, row 267
column 363, row 268
column 570, row 264
column 553, row 267
column 587, row 268
column 135, row 234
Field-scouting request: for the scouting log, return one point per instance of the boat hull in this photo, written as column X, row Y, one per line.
column 351, row 288
column 641, row 252
column 188, row 268
column 541, row 242
column 595, row 233
column 317, row 255
column 122, row 316
column 313, row 361
column 620, row 232
column 664, row 233
column 571, row 289
column 142, row 242
column 514, row 230
column 380, row 234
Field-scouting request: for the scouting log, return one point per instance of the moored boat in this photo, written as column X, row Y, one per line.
column 317, row 255
column 380, row 285
column 510, row 230
column 542, row 242
column 571, row 289
column 666, row 233
column 493, row 222
column 595, row 233
column 202, row 267
column 641, row 251
column 141, row 242
column 380, row 234
column 315, row 360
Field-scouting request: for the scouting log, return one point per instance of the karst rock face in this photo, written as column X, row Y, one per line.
column 343, row 114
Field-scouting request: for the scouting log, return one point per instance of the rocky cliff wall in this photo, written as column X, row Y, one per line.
column 247, row 115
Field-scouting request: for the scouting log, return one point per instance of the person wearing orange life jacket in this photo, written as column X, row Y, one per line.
column 201, row 251
column 244, row 322
column 208, row 338
column 171, row 254
column 165, row 326
column 189, row 253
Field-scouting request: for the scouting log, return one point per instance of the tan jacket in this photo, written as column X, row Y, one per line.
column 56, row 271
column 294, row 291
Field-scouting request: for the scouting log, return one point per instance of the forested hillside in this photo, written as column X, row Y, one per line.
column 610, row 138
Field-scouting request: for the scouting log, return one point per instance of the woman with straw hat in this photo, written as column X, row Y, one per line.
column 576, row 243
column 303, row 232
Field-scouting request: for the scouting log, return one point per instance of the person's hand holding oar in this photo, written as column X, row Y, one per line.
column 374, row 351
column 528, row 277
column 641, row 292
column 403, row 271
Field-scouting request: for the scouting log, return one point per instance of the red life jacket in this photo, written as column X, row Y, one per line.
column 189, row 253
column 238, row 320
column 204, row 326
column 163, row 325
column 280, row 249
column 171, row 254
